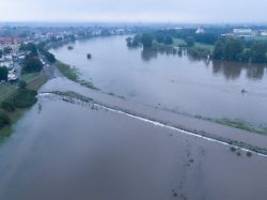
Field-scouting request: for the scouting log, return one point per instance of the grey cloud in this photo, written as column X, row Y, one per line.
column 134, row 10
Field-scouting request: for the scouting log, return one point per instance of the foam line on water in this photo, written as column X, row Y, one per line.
column 156, row 123
column 160, row 124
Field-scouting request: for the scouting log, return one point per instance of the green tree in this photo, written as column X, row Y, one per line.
column 233, row 49
column 29, row 47
column 22, row 84
column 8, row 106
column 147, row 40
column 190, row 41
column 7, row 50
column 168, row 40
column 49, row 56
column 3, row 73
column 32, row 64
column 219, row 50
column 160, row 38
column 230, row 49
column 258, row 52
column 4, row 119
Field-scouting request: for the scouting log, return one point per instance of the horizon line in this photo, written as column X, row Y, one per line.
column 130, row 22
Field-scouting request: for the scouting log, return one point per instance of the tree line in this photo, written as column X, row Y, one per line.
column 225, row 48
column 236, row 49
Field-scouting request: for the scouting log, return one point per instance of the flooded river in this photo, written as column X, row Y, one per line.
column 65, row 148
column 210, row 90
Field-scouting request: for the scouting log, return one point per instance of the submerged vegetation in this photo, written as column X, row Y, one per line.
column 235, row 49
column 243, row 125
column 210, row 44
column 68, row 71
column 72, row 73
column 237, row 123
column 70, row 97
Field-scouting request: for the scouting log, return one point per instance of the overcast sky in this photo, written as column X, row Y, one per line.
column 199, row 11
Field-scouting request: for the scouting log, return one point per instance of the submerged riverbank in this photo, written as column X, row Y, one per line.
column 207, row 91
column 253, row 144
column 113, row 155
column 73, row 74
column 91, row 144
column 230, row 131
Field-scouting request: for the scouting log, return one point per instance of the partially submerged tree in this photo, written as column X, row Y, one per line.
column 147, row 40
column 3, row 73
column 32, row 64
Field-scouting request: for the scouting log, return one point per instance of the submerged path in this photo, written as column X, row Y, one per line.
column 244, row 139
column 81, row 150
column 89, row 145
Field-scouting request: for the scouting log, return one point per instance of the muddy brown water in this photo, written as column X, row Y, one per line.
column 71, row 150
column 65, row 149
column 173, row 82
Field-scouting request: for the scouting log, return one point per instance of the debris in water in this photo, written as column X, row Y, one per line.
column 70, row 48
column 238, row 153
column 89, row 56
column 249, row 154
column 243, row 91
column 233, row 149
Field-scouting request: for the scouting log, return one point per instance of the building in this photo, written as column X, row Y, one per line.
column 12, row 77
column 244, row 32
column 200, row 30
column 263, row 33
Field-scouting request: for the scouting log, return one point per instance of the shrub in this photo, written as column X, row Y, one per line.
column 32, row 64
column 22, row 84
column 147, row 40
column 198, row 52
column 25, row 98
column 4, row 120
column 3, row 73
column 8, row 106
column 190, row 41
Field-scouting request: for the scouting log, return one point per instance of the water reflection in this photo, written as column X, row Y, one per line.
column 148, row 54
column 172, row 78
column 93, row 157
column 232, row 70
column 256, row 72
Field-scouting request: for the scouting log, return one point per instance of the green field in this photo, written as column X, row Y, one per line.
column 204, row 46
column 8, row 91
column 73, row 74
column 178, row 42
column 34, row 80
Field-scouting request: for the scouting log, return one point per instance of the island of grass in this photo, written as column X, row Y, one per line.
column 72, row 73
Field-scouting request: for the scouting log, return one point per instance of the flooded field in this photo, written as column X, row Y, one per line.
column 68, row 149
column 206, row 90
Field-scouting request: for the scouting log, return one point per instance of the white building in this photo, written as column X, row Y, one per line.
column 263, row 33
column 200, row 30
column 244, row 32
column 12, row 77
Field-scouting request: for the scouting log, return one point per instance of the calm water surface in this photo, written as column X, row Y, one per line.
column 66, row 151
column 172, row 82
column 63, row 149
